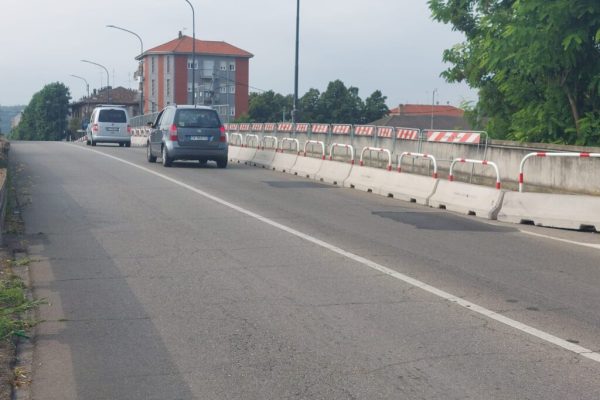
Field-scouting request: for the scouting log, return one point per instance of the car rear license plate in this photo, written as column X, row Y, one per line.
column 204, row 138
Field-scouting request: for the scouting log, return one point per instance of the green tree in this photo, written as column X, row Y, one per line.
column 309, row 106
column 45, row 117
column 375, row 107
column 339, row 104
column 536, row 64
column 269, row 106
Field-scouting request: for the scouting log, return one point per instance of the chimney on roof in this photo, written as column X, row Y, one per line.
column 401, row 109
column 180, row 35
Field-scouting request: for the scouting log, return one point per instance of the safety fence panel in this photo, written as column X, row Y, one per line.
column 385, row 132
column 320, row 128
column 245, row 127
column 407, row 134
column 364, row 130
column 302, row 128
column 232, row 127
column 466, row 137
column 339, row 129
column 270, row 127
column 285, row 127
column 257, row 127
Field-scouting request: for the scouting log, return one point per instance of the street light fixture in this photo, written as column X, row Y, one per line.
column 193, row 53
column 87, row 86
column 294, row 109
column 141, row 68
column 107, row 75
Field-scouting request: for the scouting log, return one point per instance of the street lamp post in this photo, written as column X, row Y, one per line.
column 141, row 68
column 294, row 109
column 432, row 105
column 193, row 53
column 107, row 75
column 87, row 87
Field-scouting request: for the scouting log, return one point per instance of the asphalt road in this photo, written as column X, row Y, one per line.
column 201, row 283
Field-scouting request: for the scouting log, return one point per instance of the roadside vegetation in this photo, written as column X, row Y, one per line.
column 337, row 104
column 535, row 64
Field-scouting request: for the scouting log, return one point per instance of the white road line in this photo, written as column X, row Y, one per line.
column 580, row 350
column 591, row 245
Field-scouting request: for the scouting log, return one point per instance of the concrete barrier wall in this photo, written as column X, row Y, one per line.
column 573, row 175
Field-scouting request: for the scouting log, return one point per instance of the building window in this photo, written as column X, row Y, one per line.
column 189, row 87
column 223, row 66
column 232, row 111
column 168, row 64
column 152, row 64
column 153, row 87
column 189, row 64
column 232, row 67
column 168, row 87
column 223, row 89
column 232, row 89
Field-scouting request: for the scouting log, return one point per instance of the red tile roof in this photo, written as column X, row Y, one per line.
column 424, row 109
column 183, row 44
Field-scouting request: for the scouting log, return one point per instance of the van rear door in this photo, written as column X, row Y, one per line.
column 112, row 122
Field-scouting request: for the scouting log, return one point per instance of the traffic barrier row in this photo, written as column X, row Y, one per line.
column 398, row 133
column 561, row 211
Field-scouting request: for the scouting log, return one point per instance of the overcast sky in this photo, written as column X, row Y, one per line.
column 390, row 45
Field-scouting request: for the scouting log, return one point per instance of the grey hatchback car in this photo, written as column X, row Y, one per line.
column 188, row 133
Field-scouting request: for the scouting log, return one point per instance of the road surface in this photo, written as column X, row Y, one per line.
column 243, row 283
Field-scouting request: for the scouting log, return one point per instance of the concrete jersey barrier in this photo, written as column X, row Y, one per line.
column 307, row 166
column 263, row 158
column 334, row 172
column 245, row 154
column 233, row 152
column 409, row 187
column 551, row 210
column 284, row 162
column 367, row 179
column 481, row 201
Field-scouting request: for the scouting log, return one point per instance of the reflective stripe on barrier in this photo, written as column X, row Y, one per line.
column 545, row 154
column 302, row 128
column 467, row 137
column 385, row 132
column 320, row 128
column 338, row 129
column 407, row 133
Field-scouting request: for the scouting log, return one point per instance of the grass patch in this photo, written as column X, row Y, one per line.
column 13, row 306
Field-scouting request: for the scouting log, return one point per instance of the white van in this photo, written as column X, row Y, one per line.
column 109, row 124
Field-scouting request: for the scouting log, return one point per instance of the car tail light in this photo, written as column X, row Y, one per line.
column 95, row 128
column 129, row 129
column 223, row 137
column 173, row 133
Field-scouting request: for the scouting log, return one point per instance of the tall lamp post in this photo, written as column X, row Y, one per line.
column 141, row 68
column 193, row 53
column 294, row 109
column 432, row 105
column 87, row 87
column 107, row 75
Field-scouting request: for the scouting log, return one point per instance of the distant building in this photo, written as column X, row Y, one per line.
column 129, row 98
column 221, row 76
column 422, row 116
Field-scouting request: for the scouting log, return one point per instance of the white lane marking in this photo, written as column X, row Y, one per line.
column 591, row 245
column 575, row 348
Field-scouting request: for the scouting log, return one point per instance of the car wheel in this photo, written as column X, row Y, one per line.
column 151, row 158
column 87, row 142
column 127, row 144
column 121, row 144
column 202, row 162
column 222, row 162
column 166, row 160
column 93, row 142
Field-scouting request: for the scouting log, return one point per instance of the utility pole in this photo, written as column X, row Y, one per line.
column 295, row 105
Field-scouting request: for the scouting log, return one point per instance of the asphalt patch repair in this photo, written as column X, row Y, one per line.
column 439, row 221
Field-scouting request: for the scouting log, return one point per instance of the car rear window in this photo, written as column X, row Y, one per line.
column 112, row 116
column 197, row 118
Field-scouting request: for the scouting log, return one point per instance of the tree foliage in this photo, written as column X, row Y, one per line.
column 45, row 117
column 337, row 104
column 536, row 64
